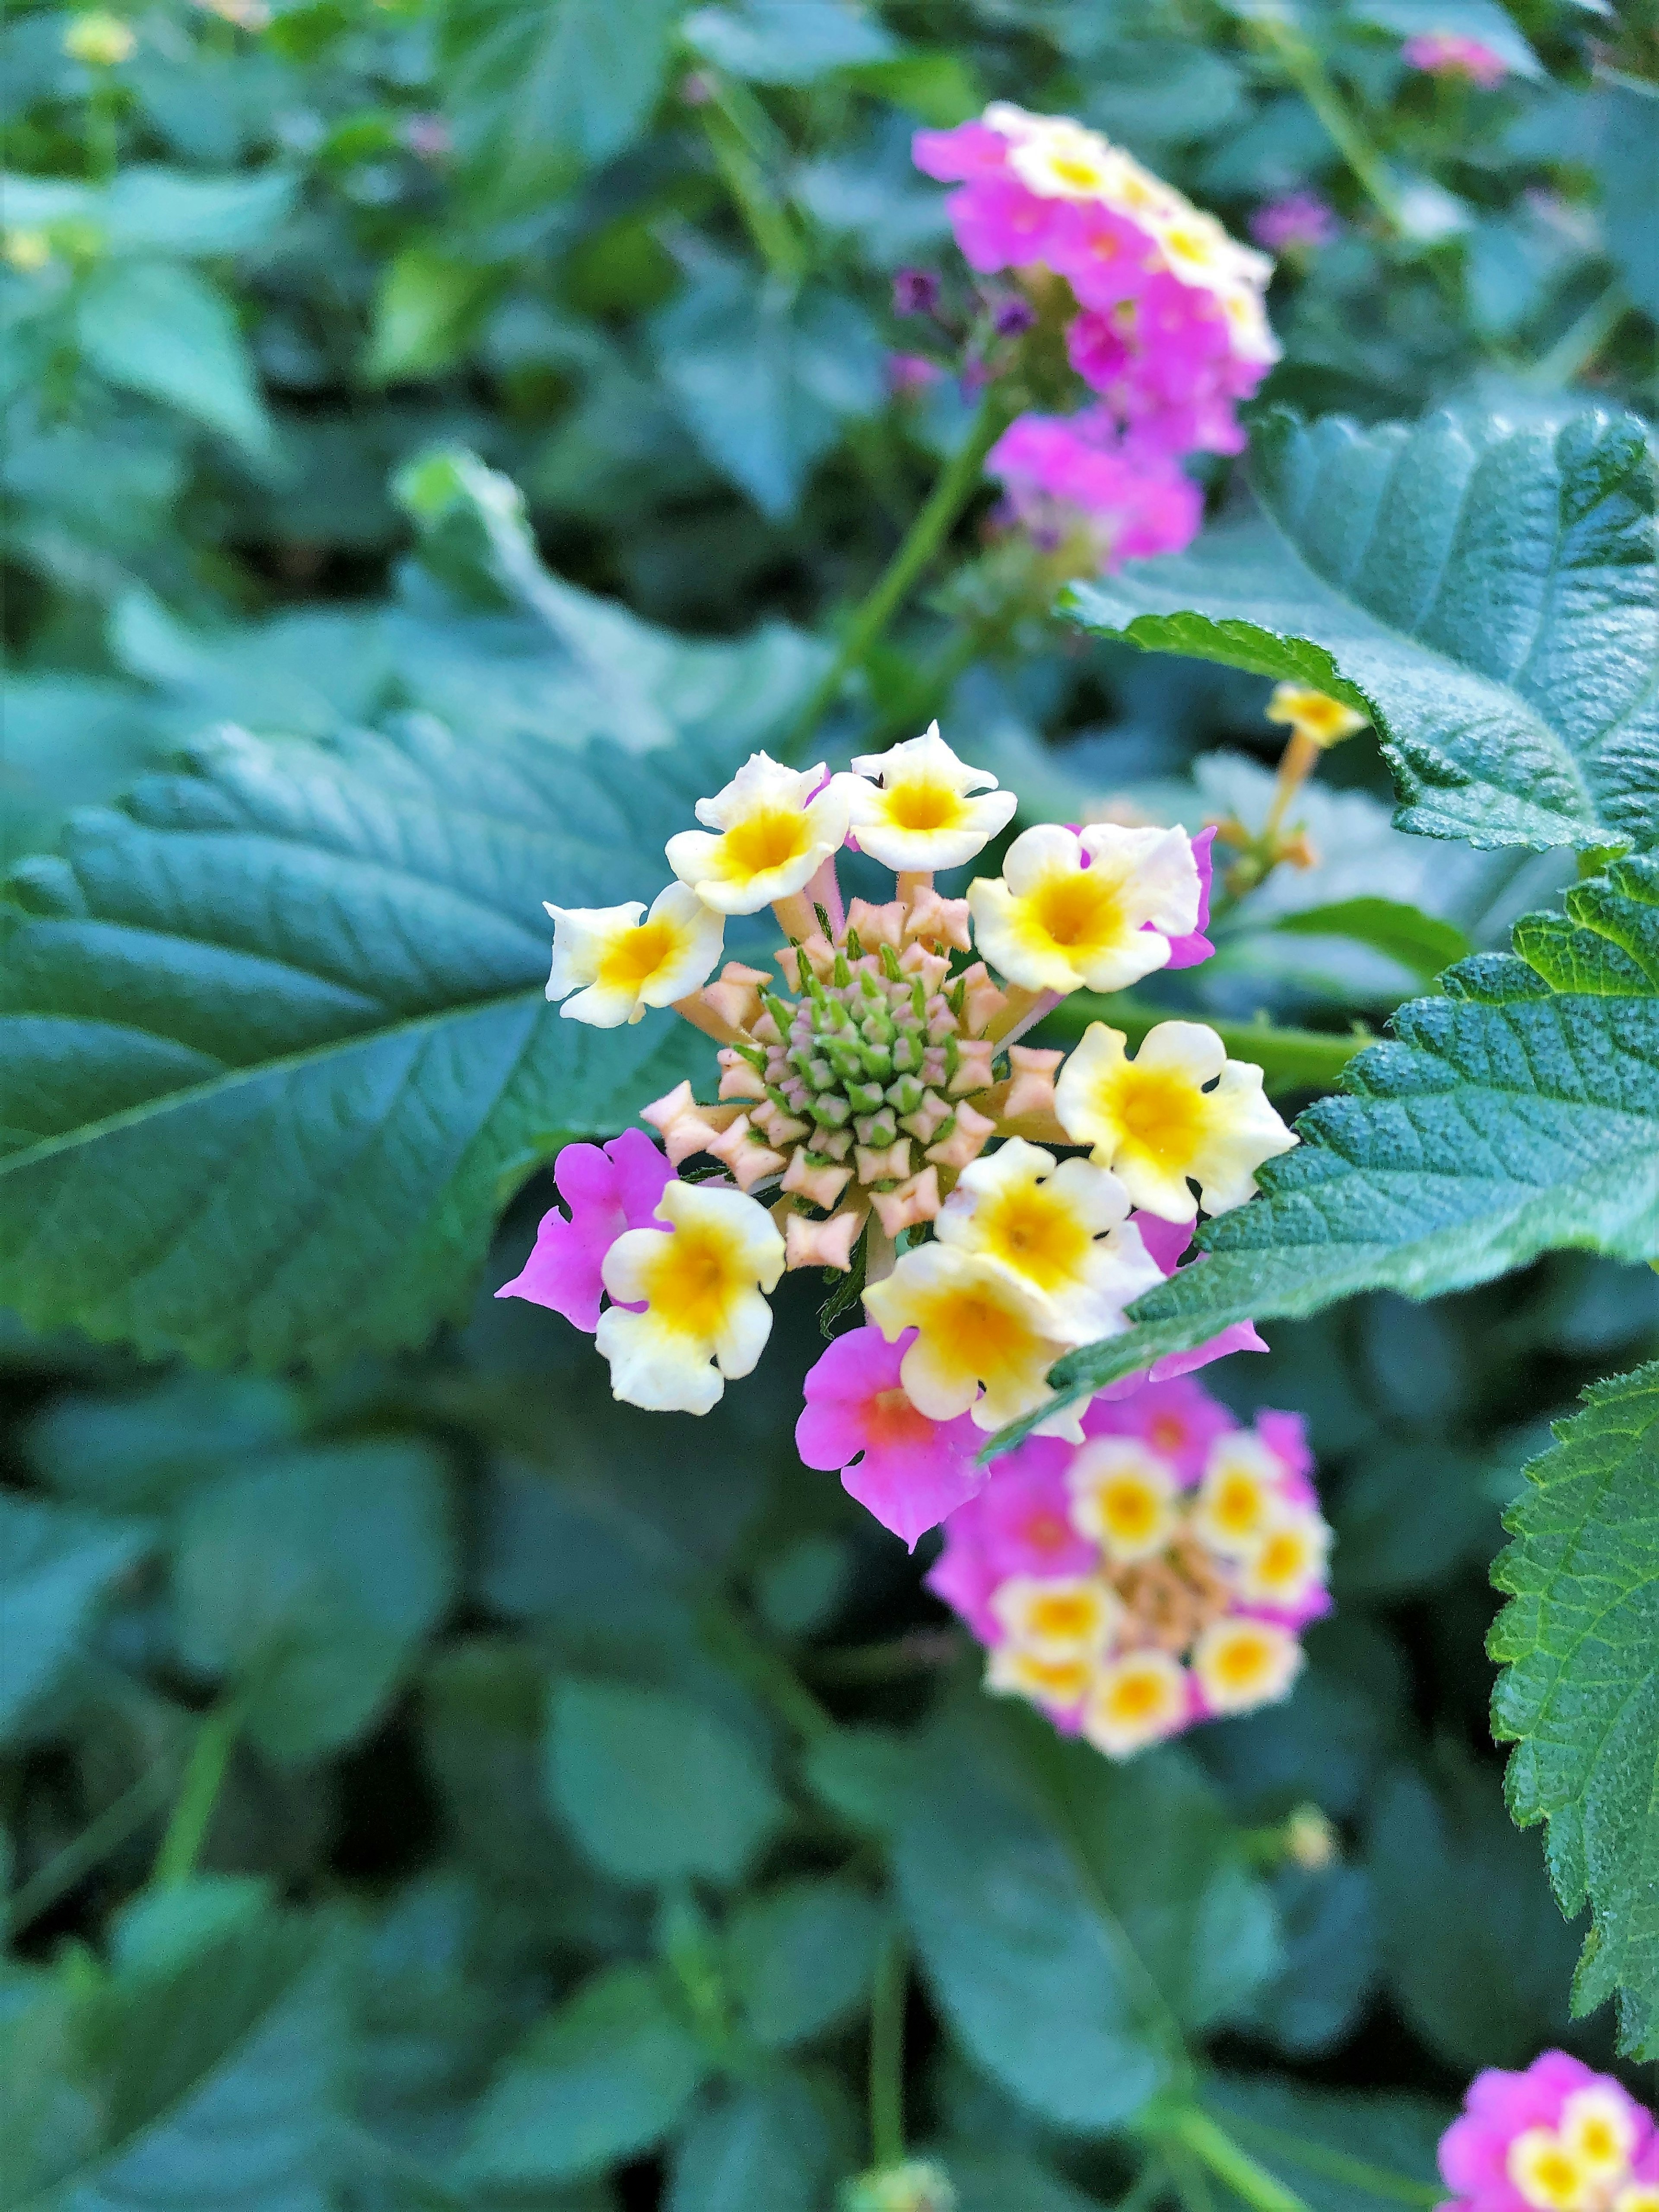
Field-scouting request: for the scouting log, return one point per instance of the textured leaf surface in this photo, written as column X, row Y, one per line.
column 276, row 1046
column 1517, row 1114
column 1487, row 594
column 1579, row 1696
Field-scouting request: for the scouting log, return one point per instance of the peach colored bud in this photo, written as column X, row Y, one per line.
column 984, row 1000
column 965, row 1142
column 876, row 925
column 736, row 997
column 925, row 1122
column 779, row 1128
column 823, row 1243
column 748, row 1161
column 824, row 1186
column 889, row 1166
column 932, row 970
column 738, row 1078
column 975, row 1055
column 1032, row 1090
column 914, row 1201
column 686, row 1128
column 940, row 920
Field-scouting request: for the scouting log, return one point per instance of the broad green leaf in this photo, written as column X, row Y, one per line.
column 71, row 741
column 131, row 1454
column 427, row 309
column 765, row 376
column 1341, row 2150
column 277, row 1046
column 1579, row 1695
column 158, row 328
column 997, row 2181
column 1485, row 592
column 311, row 1581
column 1517, row 1114
column 787, row 41
column 55, row 1566
column 149, row 210
column 800, row 1959
column 767, row 2147
column 609, row 2074
column 1421, row 942
column 1625, row 110
column 1328, row 1920
column 656, row 1788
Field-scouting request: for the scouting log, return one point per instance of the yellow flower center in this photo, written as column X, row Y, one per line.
column 691, row 1285
column 922, row 804
column 638, row 955
column 1036, row 1233
column 1243, row 1660
column 1236, row 1505
column 982, row 1336
column 1282, row 1556
column 1063, row 1613
column 1546, row 2172
column 1136, row 1696
column 1078, row 912
column 1061, row 1679
column 769, row 838
column 1129, row 1509
column 1162, row 1114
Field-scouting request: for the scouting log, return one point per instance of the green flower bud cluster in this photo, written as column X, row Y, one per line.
column 865, row 1056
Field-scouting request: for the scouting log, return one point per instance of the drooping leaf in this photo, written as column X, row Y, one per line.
column 55, row 1565
column 800, row 1959
column 654, row 1787
column 1579, row 1695
column 608, row 2074
column 767, row 2147
column 1518, row 1114
column 158, row 328
column 1485, row 592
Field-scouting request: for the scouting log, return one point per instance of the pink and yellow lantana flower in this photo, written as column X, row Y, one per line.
column 1555, row 2137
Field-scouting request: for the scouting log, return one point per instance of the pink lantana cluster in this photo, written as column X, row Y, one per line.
column 1555, row 2137
column 1166, row 323
column 1156, row 1575
column 1450, row 53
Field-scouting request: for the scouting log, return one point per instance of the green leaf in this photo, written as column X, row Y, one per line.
column 131, row 1454
column 149, row 209
column 311, row 1581
column 428, row 307
column 55, row 1566
column 1486, row 594
column 276, row 1045
column 611, row 2073
column 1579, row 1695
column 1328, row 1918
column 1341, row 2150
column 1488, row 20
column 1423, row 943
column 800, row 1959
column 1517, row 1114
column 765, row 375
column 655, row 1788
column 1625, row 110
column 787, row 41
column 155, row 327
column 766, row 2147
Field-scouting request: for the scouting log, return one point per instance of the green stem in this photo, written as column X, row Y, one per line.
column 774, row 235
column 731, row 1639
column 1337, row 2166
column 1315, row 82
column 96, row 1841
column 887, row 2053
column 959, row 481
column 1578, row 347
column 205, row 1775
column 1197, row 2132
column 1290, row 1059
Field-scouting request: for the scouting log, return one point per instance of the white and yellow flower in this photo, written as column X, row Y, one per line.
column 1637, row 2197
column 1288, row 1563
column 1549, row 2176
column 982, row 1343
column 1181, row 1109
column 619, row 965
column 1241, row 1664
column 1324, row 722
column 766, row 835
column 1134, row 1700
column 1086, row 910
column 1241, row 1496
column 1059, row 1230
column 1065, row 161
column 1599, row 2128
column 1012, row 1670
column 910, row 807
column 1069, row 1617
column 1246, row 316
column 1123, row 1496
column 1199, row 250
column 705, row 1321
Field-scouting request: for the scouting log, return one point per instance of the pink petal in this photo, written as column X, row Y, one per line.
column 906, row 1470
column 607, row 1191
column 1187, row 951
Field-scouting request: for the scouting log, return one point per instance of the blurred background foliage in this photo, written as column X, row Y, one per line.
column 538, row 1796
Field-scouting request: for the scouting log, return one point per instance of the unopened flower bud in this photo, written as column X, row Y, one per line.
column 918, row 2185
column 915, row 291
column 101, row 40
column 1310, row 1840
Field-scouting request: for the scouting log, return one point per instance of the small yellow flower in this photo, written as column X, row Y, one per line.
column 1086, row 910
column 700, row 1287
column 1124, row 1497
column 1241, row 1664
column 1549, row 2177
column 101, row 40
column 1013, row 1670
column 981, row 1344
column 1324, row 722
column 1070, row 1617
column 1136, row 1700
column 773, row 836
column 1057, row 1230
column 1596, row 2127
column 627, row 964
column 1288, row 1563
column 26, row 250
column 914, row 813
column 1241, row 1495
column 1156, row 1123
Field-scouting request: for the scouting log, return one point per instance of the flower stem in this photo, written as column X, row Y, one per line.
column 958, row 483
column 1313, row 81
column 887, row 2053
column 1210, row 2143
column 1573, row 352
column 1290, row 1059
column 204, row 1774
column 95, row 1843
column 731, row 1639
column 768, row 224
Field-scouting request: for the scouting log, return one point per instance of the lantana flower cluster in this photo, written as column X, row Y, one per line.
column 1157, row 1574
column 864, row 1080
column 1555, row 2137
column 1163, row 321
